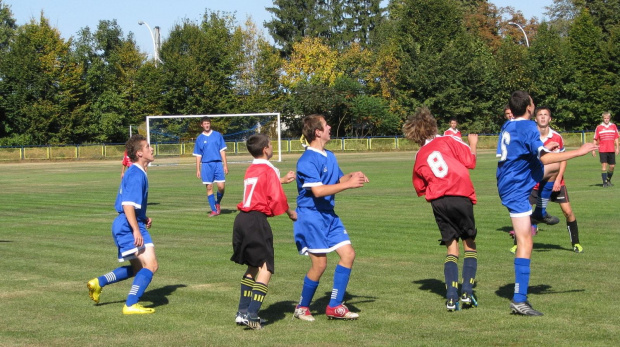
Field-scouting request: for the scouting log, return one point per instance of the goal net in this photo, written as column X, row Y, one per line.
column 174, row 135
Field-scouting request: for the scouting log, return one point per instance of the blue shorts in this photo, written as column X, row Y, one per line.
column 518, row 203
column 211, row 172
column 319, row 232
column 123, row 237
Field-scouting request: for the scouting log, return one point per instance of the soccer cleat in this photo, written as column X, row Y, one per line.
column 137, row 309
column 452, row 305
column 524, row 309
column 605, row 184
column 218, row 209
column 577, row 248
column 241, row 319
column 254, row 322
column 548, row 219
column 513, row 249
column 303, row 313
column 94, row 289
column 213, row 214
column 340, row 312
column 468, row 301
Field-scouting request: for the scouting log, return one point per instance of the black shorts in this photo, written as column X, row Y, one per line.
column 455, row 218
column 607, row 157
column 560, row 196
column 252, row 240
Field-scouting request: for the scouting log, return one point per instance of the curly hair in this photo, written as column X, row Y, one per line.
column 420, row 126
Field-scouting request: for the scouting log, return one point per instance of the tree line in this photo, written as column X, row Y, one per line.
column 364, row 66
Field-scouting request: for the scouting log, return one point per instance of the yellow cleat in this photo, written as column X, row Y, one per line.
column 137, row 309
column 577, row 248
column 513, row 249
column 94, row 289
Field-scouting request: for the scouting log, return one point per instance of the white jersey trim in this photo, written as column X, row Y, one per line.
column 307, row 250
column 521, row 214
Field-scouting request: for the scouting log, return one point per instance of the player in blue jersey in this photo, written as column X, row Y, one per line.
column 211, row 165
column 129, row 230
column 318, row 230
column 524, row 161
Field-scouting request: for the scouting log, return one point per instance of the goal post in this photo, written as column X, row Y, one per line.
column 242, row 134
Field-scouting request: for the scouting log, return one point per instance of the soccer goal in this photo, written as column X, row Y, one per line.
column 171, row 134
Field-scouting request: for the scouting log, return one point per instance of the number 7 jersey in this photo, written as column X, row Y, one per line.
column 442, row 169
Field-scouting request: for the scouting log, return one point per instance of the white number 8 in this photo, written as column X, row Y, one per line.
column 437, row 164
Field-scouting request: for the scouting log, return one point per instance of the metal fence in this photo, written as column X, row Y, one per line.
column 115, row 151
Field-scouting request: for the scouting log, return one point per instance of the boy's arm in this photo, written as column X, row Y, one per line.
column 549, row 158
column 291, row 214
column 558, row 179
column 288, row 178
column 198, row 166
column 348, row 181
column 130, row 214
column 616, row 145
column 224, row 162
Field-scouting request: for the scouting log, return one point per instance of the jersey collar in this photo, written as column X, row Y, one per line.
column 266, row 162
column 323, row 153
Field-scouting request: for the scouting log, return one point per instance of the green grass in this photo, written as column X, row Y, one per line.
column 55, row 236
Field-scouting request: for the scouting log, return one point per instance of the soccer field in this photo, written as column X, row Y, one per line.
column 55, row 236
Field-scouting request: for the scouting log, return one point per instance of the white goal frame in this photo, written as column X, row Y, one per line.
column 279, row 125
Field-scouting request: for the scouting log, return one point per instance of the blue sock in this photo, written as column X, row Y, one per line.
column 341, row 280
column 451, row 273
column 522, row 279
column 470, row 265
column 219, row 197
column 544, row 194
column 116, row 275
column 307, row 292
column 212, row 202
column 142, row 280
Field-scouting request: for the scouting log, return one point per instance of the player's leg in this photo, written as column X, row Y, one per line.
column 451, row 274
column 311, row 283
column 603, row 157
column 245, row 295
column 571, row 220
column 545, row 188
column 219, row 178
column 342, row 274
column 146, row 262
column 612, row 165
column 259, row 292
column 208, row 176
column 220, row 194
column 470, row 267
column 95, row 286
column 522, row 228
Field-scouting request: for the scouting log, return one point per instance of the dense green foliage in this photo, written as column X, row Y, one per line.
column 363, row 66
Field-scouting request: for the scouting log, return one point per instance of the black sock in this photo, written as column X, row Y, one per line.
column 573, row 231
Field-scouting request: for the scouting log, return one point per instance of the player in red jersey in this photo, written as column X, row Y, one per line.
column 453, row 131
column 126, row 164
column 606, row 136
column 252, row 236
column 441, row 173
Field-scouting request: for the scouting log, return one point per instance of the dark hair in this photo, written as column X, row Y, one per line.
column 420, row 126
column 205, row 119
column 133, row 145
column 312, row 123
column 519, row 102
column 256, row 143
column 453, row 119
column 538, row 109
column 507, row 107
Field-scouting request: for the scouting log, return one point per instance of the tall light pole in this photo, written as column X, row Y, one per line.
column 156, row 41
column 527, row 42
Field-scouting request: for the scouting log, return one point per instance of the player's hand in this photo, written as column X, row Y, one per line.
column 149, row 222
column 288, row 178
column 357, row 179
column 198, row 174
column 587, row 147
column 552, row 146
column 225, row 169
column 473, row 140
column 137, row 239
column 292, row 215
column 557, row 185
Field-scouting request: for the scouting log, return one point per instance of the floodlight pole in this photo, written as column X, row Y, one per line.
column 156, row 41
column 527, row 42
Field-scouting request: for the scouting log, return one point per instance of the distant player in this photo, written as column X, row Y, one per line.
column 263, row 197
column 126, row 163
column 554, row 189
column 318, row 230
column 211, row 165
column 130, row 231
column 606, row 137
column 452, row 130
column 508, row 113
column 523, row 163
column 441, row 173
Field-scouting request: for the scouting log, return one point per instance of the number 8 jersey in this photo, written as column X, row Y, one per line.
column 441, row 169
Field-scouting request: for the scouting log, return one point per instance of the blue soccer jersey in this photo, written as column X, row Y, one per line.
column 519, row 167
column 133, row 191
column 316, row 168
column 209, row 146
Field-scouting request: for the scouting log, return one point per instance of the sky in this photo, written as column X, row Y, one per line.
column 69, row 16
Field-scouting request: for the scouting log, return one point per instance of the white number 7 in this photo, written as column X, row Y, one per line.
column 247, row 193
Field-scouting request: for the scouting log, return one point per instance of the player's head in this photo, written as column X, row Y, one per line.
column 507, row 112
column 256, row 145
column 205, row 123
column 453, row 123
column 315, row 127
column 138, row 146
column 521, row 104
column 606, row 117
column 420, row 126
column 543, row 116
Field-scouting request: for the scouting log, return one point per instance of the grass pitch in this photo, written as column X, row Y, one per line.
column 55, row 236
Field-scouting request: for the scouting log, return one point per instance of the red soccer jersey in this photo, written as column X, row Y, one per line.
column 262, row 190
column 441, row 169
column 126, row 161
column 553, row 136
column 452, row 132
column 606, row 136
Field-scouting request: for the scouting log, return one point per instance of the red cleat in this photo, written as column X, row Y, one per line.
column 340, row 312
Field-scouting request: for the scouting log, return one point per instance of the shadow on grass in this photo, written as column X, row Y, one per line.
column 159, row 296
column 505, row 229
column 506, row 291
column 546, row 247
column 432, row 285
column 5, row 241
